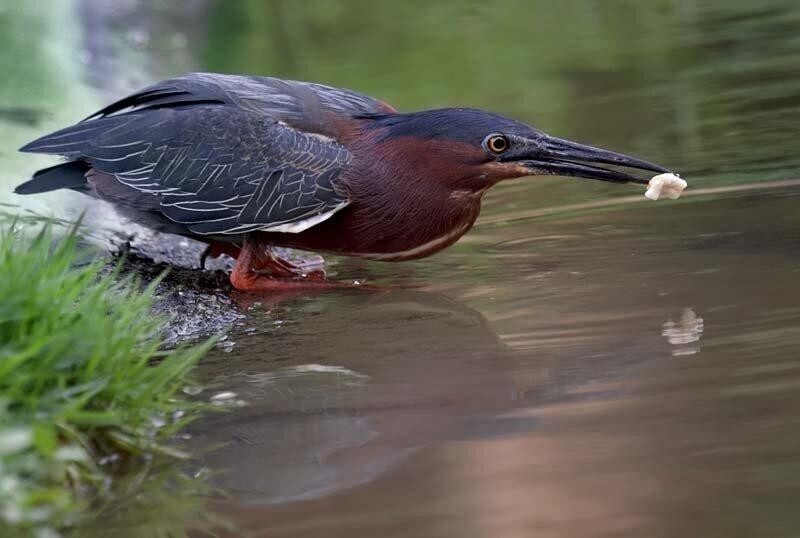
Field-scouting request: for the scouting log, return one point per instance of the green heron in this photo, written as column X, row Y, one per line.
column 248, row 163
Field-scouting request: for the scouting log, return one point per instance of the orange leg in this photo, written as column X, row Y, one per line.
column 258, row 269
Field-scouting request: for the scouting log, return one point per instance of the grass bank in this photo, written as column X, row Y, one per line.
column 86, row 393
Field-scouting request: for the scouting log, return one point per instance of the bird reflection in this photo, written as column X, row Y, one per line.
column 345, row 385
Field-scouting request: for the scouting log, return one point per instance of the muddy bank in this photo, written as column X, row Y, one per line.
column 196, row 302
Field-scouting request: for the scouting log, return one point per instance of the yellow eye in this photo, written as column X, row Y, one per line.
column 496, row 143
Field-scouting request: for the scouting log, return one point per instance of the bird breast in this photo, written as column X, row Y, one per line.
column 424, row 249
column 407, row 226
column 414, row 224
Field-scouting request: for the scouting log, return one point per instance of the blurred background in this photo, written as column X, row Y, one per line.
column 584, row 362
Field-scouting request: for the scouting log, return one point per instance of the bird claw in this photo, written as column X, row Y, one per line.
column 272, row 265
column 255, row 282
column 260, row 269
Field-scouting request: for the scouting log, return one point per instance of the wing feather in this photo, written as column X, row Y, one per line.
column 216, row 169
column 223, row 153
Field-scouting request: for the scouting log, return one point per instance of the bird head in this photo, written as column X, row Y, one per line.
column 474, row 149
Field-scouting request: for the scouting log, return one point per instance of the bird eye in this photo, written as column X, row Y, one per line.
column 496, row 143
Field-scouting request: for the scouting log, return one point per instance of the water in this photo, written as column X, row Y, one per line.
column 632, row 371
column 583, row 362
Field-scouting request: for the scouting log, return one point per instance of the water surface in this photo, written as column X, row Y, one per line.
column 584, row 362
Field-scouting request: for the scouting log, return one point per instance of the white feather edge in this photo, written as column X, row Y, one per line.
column 303, row 225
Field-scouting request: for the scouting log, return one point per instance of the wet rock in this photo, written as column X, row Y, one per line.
column 196, row 302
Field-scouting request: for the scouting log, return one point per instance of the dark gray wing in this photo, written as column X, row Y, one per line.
column 224, row 154
column 216, row 169
column 300, row 104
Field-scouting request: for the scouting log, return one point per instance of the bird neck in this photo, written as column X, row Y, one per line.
column 418, row 170
column 403, row 200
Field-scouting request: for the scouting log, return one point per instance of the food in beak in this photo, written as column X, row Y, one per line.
column 665, row 186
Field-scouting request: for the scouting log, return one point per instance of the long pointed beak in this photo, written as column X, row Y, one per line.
column 548, row 155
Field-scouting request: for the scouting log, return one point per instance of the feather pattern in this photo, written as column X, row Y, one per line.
column 300, row 104
column 224, row 154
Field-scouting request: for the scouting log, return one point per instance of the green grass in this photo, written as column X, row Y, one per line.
column 86, row 393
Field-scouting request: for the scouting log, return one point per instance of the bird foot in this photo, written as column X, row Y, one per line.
column 260, row 269
column 254, row 282
column 271, row 264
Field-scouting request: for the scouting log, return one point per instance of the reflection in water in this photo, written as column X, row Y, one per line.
column 684, row 334
column 154, row 499
column 348, row 386
column 571, row 421
column 542, row 400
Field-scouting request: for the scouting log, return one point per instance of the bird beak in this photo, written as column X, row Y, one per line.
column 548, row 155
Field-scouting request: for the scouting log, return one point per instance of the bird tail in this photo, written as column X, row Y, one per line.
column 69, row 175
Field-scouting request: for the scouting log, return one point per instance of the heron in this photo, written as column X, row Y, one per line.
column 248, row 164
